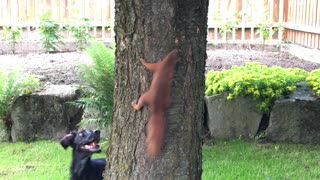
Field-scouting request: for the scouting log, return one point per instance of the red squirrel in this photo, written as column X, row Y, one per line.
column 158, row 99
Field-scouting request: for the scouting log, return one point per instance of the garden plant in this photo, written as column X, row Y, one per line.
column 226, row 25
column 12, row 34
column 265, row 29
column 262, row 83
column 313, row 80
column 80, row 32
column 98, row 79
column 50, row 34
column 13, row 84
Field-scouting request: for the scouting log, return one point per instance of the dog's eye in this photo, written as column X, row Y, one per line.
column 83, row 134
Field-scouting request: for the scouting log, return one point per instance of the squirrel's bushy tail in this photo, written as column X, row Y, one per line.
column 155, row 134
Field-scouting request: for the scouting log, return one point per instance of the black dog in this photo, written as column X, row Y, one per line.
column 84, row 144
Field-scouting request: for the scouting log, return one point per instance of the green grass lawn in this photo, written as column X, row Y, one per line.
column 243, row 160
column 41, row 160
column 237, row 159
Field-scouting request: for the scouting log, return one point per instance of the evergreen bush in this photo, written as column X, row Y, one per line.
column 313, row 80
column 262, row 83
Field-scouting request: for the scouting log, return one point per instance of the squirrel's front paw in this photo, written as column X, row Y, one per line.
column 134, row 105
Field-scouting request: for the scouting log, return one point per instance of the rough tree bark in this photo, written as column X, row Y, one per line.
column 147, row 29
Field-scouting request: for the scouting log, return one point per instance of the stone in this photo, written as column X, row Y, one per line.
column 229, row 119
column 90, row 121
column 4, row 135
column 45, row 115
column 296, row 118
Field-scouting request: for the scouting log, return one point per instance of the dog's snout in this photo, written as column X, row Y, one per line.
column 96, row 132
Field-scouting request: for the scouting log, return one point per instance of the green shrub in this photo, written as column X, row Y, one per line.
column 313, row 80
column 99, row 77
column 80, row 32
column 262, row 83
column 50, row 34
column 12, row 34
column 12, row 85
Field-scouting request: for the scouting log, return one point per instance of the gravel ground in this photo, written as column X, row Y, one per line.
column 62, row 68
column 223, row 59
column 58, row 68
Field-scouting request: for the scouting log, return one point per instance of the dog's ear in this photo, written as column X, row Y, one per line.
column 67, row 140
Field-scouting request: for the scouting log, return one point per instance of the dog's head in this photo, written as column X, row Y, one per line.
column 84, row 140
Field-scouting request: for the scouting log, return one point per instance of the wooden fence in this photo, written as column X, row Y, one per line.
column 249, row 13
column 302, row 25
column 299, row 19
column 27, row 13
column 61, row 10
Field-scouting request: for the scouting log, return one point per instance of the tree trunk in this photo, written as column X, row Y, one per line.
column 148, row 30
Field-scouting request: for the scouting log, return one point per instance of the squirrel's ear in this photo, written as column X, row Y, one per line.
column 67, row 140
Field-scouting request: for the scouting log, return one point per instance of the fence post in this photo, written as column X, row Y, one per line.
column 280, row 20
column 112, row 19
